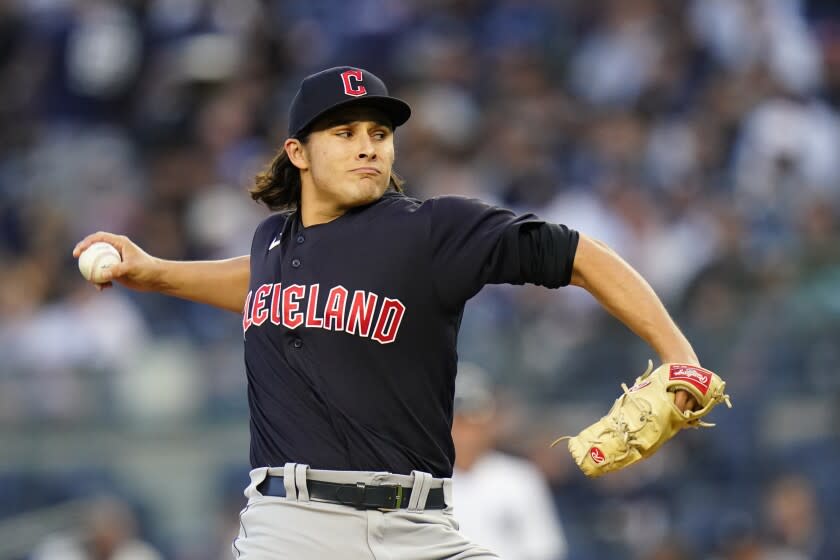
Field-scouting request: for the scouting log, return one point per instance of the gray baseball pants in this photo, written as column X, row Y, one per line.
column 295, row 527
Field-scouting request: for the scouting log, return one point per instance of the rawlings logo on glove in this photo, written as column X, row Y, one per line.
column 645, row 417
column 699, row 379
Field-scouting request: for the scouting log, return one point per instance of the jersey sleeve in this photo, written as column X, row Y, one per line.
column 474, row 244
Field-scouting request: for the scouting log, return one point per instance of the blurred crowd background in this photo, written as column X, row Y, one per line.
column 699, row 138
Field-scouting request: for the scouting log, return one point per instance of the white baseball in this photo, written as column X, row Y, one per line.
column 96, row 259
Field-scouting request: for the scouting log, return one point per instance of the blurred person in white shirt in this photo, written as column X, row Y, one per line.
column 108, row 532
column 519, row 522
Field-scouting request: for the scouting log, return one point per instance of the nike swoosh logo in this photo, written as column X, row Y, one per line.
column 274, row 243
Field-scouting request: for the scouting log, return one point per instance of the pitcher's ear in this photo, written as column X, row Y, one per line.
column 297, row 153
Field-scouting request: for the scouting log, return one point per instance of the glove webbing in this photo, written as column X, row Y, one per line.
column 620, row 427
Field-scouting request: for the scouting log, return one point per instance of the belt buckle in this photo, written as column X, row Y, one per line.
column 398, row 497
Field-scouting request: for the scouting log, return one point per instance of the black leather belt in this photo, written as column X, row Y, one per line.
column 360, row 496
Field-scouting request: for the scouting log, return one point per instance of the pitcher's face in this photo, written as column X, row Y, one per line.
column 349, row 157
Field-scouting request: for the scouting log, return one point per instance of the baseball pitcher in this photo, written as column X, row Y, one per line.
column 351, row 300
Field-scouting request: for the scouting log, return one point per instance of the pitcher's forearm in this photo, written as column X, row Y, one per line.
column 626, row 295
column 222, row 283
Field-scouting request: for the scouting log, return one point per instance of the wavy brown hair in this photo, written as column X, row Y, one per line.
column 278, row 185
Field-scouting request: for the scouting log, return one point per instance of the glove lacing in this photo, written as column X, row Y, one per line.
column 694, row 417
column 621, row 428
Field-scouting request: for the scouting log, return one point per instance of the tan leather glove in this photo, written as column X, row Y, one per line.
column 645, row 417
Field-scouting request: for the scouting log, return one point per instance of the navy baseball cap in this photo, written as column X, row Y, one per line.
column 340, row 86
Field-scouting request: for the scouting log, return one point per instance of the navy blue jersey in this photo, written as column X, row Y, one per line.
column 351, row 326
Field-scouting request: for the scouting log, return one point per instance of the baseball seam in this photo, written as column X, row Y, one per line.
column 95, row 269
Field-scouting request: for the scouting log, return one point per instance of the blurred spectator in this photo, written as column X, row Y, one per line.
column 616, row 61
column 501, row 502
column 786, row 154
column 795, row 523
column 109, row 532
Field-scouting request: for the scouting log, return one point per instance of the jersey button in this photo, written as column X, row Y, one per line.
column 295, row 263
column 297, row 343
column 300, row 239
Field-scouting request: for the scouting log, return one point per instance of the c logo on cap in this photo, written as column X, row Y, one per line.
column 351, row 88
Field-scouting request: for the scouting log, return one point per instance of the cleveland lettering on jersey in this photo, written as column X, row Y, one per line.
column 295, row 305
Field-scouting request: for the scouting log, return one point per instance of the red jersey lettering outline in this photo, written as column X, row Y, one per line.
column 292, row 316
column 388, row 323
column 296, row 305
column 246, row 320
column 275, row 304
column 336, row 304
column 361, row 313
column 311, row 320
column 259, row 313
